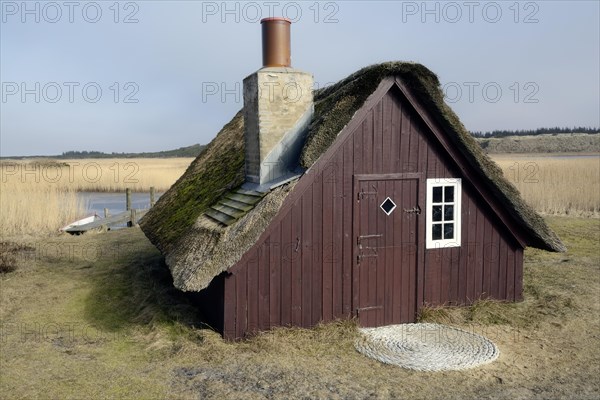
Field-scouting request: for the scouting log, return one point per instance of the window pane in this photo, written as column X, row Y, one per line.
column 448, row 231
column 448, row 213
column 437, row 194
column 436, row 231
column 436, row 215
column 449, row 194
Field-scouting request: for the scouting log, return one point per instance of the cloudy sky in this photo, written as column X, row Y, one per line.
column 157, row 75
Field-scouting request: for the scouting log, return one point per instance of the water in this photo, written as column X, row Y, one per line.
column 96, row 202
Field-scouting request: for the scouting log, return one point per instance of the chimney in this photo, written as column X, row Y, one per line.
column 278, row 107
column 276, row 42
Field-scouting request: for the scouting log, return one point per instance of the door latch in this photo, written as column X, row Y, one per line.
column 414, row 210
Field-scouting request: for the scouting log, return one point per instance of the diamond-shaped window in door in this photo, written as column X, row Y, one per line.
column 388, row 206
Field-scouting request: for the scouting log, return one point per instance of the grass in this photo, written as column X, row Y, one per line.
column 555, row 186
column 96, row 316
column 40, row 197
column 10, row 253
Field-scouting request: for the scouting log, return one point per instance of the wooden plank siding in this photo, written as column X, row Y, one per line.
column 303, row 268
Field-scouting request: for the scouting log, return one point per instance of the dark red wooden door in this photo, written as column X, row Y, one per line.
column 386, row 235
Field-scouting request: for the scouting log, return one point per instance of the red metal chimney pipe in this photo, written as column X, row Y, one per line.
column 276, row 48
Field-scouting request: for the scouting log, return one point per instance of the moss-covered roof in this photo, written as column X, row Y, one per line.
column 197, row 249
column 219, row 168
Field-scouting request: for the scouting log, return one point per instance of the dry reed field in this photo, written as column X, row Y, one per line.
column 37, row 208
column 555, row 185
column 39, row 197
column 98, row 175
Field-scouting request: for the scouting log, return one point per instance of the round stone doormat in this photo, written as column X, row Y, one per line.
column 426, row 347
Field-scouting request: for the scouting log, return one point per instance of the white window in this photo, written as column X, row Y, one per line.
column 443, row 213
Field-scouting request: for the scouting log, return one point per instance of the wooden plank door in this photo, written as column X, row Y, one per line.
column 387, row 213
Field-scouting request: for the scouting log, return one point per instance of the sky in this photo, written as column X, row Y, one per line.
column 141, row 76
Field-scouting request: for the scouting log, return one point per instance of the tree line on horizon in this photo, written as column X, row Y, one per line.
column 535, row 132
column 196, row 149
column 189, row 151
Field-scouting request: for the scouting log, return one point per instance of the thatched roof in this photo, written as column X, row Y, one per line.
column 197, row 248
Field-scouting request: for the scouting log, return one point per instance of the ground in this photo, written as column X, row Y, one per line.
column 96, row 316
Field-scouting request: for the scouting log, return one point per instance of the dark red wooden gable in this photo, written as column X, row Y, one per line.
column 306, row 266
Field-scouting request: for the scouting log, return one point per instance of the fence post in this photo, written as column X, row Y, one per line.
column 133, row 218
column 106, row 213
column 128, row 199
column 151, row 196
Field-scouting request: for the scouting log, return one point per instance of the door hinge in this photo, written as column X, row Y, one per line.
column 362, row 193
column 359, row 309
column 360, row 238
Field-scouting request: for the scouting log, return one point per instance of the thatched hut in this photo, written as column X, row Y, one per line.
column 389, row 205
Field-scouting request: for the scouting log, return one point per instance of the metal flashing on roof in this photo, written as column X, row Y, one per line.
column 267, row 187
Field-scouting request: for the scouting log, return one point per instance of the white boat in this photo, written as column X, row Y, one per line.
column 81, row 221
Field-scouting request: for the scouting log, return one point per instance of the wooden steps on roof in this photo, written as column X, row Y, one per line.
column 238, row 205
column 234, row 205
column 220, row 217
column 243, row 198
column 250, row 193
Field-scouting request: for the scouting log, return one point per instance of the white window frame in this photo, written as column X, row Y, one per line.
column 457, row 218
